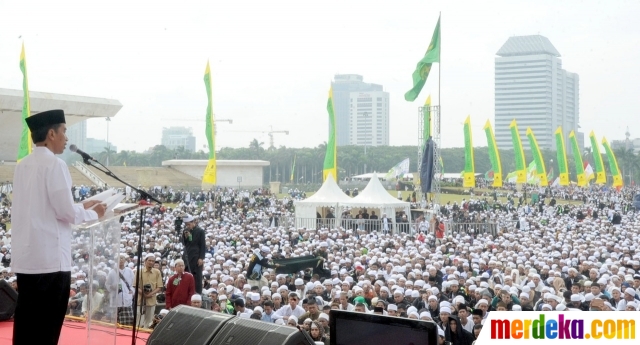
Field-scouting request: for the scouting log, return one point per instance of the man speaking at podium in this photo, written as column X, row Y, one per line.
column 42, row 214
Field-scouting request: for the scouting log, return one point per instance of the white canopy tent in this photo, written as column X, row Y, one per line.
column 328, row 196
column 374, row 196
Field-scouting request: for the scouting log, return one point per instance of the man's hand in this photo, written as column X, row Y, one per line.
column 100, row 210
column 200, row 262
column 88, row 204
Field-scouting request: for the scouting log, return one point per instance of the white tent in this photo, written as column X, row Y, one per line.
column 375, row 196
column 328, row 196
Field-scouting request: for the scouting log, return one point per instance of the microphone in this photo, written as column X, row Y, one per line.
column 85, row 156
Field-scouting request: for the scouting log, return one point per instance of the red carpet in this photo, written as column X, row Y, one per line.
column 75, row 333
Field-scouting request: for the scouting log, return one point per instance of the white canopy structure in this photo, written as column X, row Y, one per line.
column 374, row 196
column 328, row 196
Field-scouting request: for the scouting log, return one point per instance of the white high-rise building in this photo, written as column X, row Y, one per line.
column 532, row 88
column 369, row 118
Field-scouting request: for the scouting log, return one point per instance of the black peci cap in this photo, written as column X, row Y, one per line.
column 45, row 119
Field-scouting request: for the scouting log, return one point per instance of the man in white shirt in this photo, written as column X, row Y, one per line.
column 42, row 214
column 120, row 286
column 291, row 309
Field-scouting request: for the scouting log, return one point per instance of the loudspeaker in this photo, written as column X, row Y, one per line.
column 239, row 331
column 188, row 326
column 8, row 300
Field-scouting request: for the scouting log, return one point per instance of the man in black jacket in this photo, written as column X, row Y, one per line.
column 194, row 249
column 257, row 263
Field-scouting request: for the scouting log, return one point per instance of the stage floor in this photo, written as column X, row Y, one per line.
column 75, row 333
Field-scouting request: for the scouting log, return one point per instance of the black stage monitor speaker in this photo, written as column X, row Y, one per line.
column 350, row 328
column 253, row 332
column 188, row 326
column 8, row 300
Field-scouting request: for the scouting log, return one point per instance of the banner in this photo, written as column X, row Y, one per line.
column 469, row 179
column 331, row 156
column 494, row 155
column 561, row 154
column 532, row 173
column 24, row 148
column 537, row 158
column 601, row 177
column 588, row 171
column 518, row 152
column 570, row 327
column 426, row 124
column 293, row 168
column 398, row 170
column 210, row 173
column 577, row 158
column 613, row 164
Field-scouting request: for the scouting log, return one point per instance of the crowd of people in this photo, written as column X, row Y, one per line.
column 219, row 250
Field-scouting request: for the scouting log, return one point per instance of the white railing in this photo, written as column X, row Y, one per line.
column 84, row 170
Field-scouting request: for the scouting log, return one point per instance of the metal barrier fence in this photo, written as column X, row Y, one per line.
column 368, row 225
column 471, row 229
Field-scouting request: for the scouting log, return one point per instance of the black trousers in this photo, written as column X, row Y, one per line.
column 196, row 270
column 41, row 297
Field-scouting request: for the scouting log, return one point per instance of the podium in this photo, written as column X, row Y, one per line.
column 95, row 250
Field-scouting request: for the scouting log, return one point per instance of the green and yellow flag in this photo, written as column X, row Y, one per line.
column 24, row 148
column 331, row 157
column 423, row 68
column 293, row 168
column 613, row 164
column 494, row 155
column 209, row 176
column 541, row 170
column 426, row 126
column 601, row 177
column 469, row 176
column 561, row 154
column 518, row 152
column 577, row 158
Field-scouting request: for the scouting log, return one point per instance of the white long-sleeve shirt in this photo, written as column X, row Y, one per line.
column 287, row 311
column 119, row 294
column 42, row 213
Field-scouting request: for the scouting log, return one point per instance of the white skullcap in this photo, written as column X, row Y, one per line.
column 196, row 297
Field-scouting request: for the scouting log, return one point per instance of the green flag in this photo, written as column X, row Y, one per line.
column 421, row 73
column 426, row 125
column 597, row 159
column 561, row 152
column 521, row 165
column 331, row 156
column 494, row 155
column 577, row 158
column 209, row 176
column 25, row 140
column 469, row 176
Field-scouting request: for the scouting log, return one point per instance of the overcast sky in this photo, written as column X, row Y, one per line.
column 272, row 62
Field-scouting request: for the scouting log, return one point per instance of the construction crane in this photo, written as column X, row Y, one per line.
column 270, row 133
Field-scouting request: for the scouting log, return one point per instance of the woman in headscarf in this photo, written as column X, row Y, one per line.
column 455, row 334
column 316, row 331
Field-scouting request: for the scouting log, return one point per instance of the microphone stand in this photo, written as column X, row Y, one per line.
column 143, row 194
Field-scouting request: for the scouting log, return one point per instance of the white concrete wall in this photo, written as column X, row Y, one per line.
column 228, row 175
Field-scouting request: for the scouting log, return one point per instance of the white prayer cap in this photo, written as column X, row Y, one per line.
column 196, row 297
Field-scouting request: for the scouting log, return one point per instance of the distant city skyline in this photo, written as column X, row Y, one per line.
column 272, row 63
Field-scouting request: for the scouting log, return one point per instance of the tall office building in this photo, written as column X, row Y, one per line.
column 343, row 86
column 174, row 137
column 532, row 88
column 369, row 118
